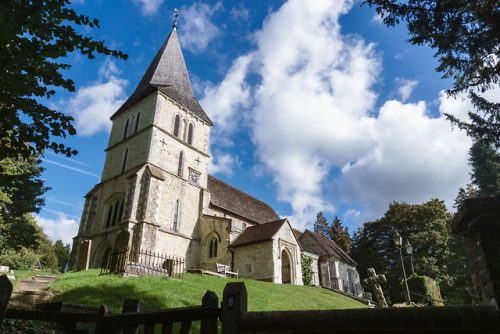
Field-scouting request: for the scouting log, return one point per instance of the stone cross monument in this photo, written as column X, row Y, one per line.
column 374, row 281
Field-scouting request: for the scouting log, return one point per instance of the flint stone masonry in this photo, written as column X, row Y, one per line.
column 221, row 228
column 478, row 223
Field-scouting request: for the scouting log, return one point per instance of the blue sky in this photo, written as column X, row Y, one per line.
column 317, row 106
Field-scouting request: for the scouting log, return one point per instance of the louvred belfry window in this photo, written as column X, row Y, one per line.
column 125, row 130
column 190, row 135
column 177, row 125
column 137, row 122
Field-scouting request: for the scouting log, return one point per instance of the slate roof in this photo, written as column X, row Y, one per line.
column 258, row 233
column 329, row 247
column 297, row 233
column 235, row 201
column 168, row 74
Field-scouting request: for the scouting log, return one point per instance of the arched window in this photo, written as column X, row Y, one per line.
column 125, row 130
column 190, row 134
column 137, row 122
column 115, row 212
column 124, row 161
column 212, row 250
column 110, row 215
column 177, row 125
column 180, row 167
column 176, row 216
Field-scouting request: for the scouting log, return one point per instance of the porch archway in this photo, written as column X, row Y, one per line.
column 286, row 267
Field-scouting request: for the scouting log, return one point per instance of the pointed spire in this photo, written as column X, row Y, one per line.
column 168, row 74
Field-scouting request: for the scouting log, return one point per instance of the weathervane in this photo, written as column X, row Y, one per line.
column 176, row 14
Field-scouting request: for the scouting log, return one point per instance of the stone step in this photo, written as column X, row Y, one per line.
column 49, row 278
column 31, row 296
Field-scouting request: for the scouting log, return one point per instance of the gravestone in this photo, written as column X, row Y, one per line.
column 374, row 281
column 84, row 255
column 5, row 292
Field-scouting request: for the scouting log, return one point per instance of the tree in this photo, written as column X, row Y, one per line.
column 335, row 231
column 469, row 192
column 466, row 36
column 21, row 188
column 321, row 225
column 34, row 38
column 62, row 253
column 25, row 241
column 435, row 250
column 340, row 235
column 485, row 163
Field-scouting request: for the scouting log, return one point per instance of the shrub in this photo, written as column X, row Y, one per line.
column 424, row 286
column 306, row 263
column 24, row 259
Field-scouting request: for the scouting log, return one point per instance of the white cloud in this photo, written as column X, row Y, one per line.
column 377, row 19
column 78, row 170
column 62, row 227
column 313, row 121
column 223, row 163
column 148, row 7
column 223, row 100
column 239, row 14
column 92, row 106
column 197, row 29
column 406, row 87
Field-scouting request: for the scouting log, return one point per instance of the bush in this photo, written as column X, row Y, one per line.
column 424, row 286
column 24, row 259
column 306, row 270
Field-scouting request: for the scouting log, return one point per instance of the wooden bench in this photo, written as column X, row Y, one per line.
column 226, row 270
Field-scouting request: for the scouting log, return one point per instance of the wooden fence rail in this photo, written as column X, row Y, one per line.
column 131, row 319
column 235, row 318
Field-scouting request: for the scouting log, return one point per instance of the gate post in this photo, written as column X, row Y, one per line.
column 131, row 305
column 209, row 325
column 5, row 292
column 234, row 302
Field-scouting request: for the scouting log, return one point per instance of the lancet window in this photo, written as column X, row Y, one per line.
column 175, row 221
column 190, row 134
column 137, row 122
column 124, row 160
column 115, row 212
column 177, row 125
column 125, row 130
column 212, row 247
column 180, row 166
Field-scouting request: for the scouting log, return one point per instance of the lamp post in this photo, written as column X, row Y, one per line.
column 398, row 240
column 409, row 250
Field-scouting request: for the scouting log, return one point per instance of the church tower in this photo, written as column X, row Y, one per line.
column 155, row 172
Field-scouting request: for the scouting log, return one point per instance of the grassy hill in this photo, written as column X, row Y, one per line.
column 155, row 293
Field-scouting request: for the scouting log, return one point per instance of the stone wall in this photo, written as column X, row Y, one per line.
column 211, row 226
column 478, row 222
column 176, row 244
column 255, row 261
column 138, row 143
column 239, row 224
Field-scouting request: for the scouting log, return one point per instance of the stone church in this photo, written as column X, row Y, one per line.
column 156, row 194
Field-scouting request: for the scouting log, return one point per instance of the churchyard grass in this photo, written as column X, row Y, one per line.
column 28, row 273
column 91, row 288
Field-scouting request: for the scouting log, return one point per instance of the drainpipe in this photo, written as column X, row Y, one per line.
column 232, row 258
column 319, row 272
column 329, row 274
